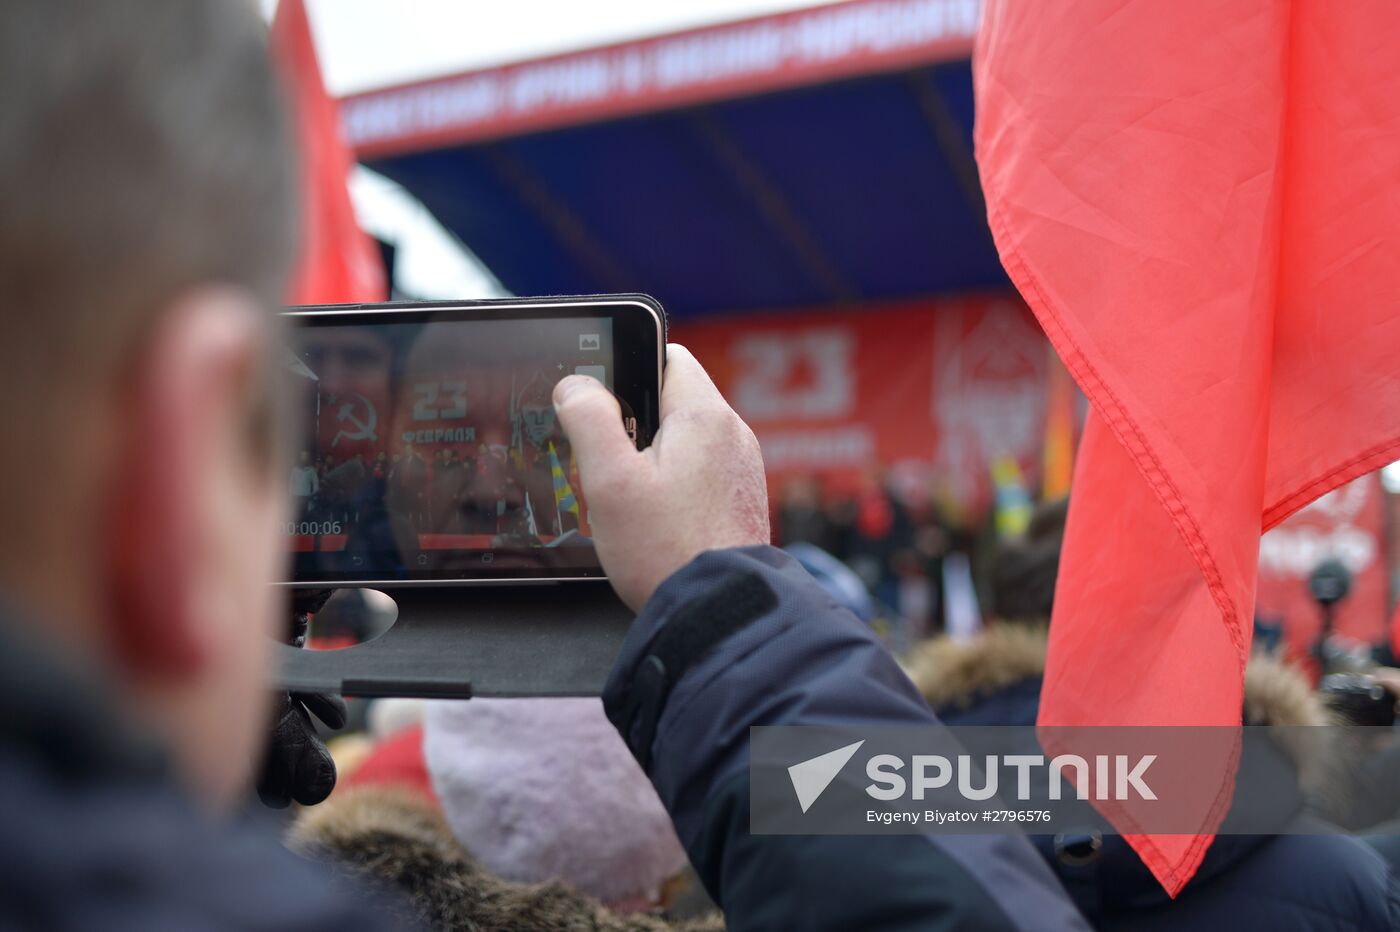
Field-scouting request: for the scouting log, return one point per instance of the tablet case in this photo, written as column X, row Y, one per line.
column 455, row 642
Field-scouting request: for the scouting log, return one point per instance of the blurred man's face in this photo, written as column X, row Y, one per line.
column 539, row 423
column 199, row 499
column 348, row 361
column 247, row 508
column 147, row 547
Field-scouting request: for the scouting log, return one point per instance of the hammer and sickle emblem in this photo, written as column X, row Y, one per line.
column 364, row 428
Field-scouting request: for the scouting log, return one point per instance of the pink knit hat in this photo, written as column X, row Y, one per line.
column 544, row 789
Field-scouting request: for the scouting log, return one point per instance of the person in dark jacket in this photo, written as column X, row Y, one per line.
column 1314, row 879
column 97, row 833
column 145, row 232
column 733, row 633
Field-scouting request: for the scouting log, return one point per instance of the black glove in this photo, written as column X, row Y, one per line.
column 298, row 767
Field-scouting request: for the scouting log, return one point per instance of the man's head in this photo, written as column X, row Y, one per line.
column 351, row 365
column 537, row 410
column 1023, row 574
column 144, row 235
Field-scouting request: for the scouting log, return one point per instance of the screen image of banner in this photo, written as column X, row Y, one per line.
column 426, row 443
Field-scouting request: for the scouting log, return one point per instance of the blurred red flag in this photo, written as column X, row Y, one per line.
column 1201, row 203
column 338, row 262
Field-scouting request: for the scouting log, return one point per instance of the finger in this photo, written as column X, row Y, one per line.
column 328, row 707
column 317, row 787
column 592, row 420
column 272, row 781
column 275, row 775
column 315, row 768
column 273, row 795
column 687, row 384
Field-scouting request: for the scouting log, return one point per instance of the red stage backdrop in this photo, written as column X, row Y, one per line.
column 1347, row 524
column 936, row 389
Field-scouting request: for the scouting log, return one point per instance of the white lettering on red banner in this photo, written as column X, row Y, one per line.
column 806, row 375
column 781, row 50
column 936, row 390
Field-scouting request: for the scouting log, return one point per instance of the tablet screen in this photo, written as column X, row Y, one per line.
column 429, row 448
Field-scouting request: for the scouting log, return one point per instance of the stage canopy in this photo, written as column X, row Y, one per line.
column 816, row 158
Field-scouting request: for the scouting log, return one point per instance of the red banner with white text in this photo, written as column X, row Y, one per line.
column 935, row 390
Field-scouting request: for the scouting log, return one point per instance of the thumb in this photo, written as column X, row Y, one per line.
column 592, row 420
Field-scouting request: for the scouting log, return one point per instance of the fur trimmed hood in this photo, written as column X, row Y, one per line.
column 400, row 840
column 1277, row 693
column 955, row 676
column 959, row 674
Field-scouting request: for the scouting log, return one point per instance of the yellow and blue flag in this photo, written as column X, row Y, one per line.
column 564, row 496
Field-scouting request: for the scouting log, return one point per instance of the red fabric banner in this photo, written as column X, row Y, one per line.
column 338, row 262
column 935, row 390
column 1197, row 201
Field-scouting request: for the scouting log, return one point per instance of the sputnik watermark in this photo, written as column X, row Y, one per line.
column 934, row 772
column 893, row 779
column 929, row 772
column 944, row 817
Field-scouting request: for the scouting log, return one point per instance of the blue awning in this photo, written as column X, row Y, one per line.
column 842, row 193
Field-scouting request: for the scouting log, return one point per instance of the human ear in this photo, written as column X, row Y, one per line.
column 185, row 404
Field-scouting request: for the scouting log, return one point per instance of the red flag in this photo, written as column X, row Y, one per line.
column 338, row 262
column 1201, row 203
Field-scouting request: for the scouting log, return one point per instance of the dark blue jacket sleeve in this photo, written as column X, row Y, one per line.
column 799, row 660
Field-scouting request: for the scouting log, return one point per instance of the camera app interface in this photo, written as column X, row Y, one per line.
column 432, row 449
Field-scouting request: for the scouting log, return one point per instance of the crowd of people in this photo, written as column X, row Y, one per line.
column 443, row 493
column 896, row 545
column 447, row 490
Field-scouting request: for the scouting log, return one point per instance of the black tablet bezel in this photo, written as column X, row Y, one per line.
column 639, row 345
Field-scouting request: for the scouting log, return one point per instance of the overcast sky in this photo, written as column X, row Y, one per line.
column 370, row 43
